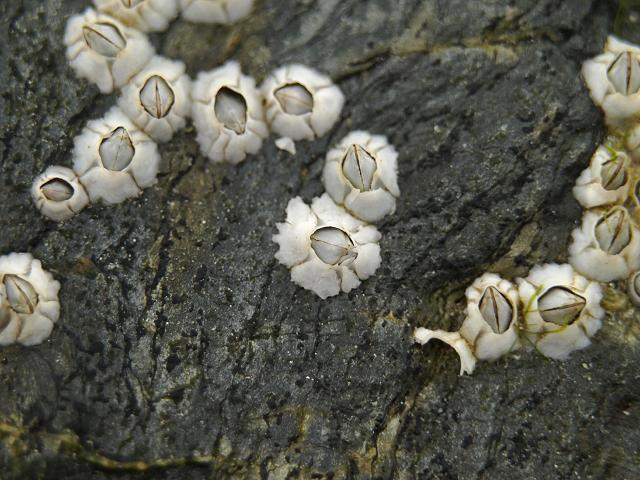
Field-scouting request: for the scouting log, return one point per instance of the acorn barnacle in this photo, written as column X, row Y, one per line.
column 114, row 159
column 144, row 15
column 215, row 11
column 228, row 115
column 327, row 249
column 606, row 247
column 606, row 181
column 28, row 300
column 103, row 51
column 158, row 99
column 301, row 103
column 561, row 309
column 361, row 173
column 490, row 329
column 58, row 194
column 613, row 78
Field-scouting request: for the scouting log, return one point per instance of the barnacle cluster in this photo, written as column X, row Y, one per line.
column 116, row 157
column 557, row 308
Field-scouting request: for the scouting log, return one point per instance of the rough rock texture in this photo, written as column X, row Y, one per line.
column 184, row 351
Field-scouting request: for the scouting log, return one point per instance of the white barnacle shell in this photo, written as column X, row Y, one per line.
column 105, row 52
column 58, row 194
column 143, row 15
column 561, row 309
column 633, row 288
column 301, row 103
column 215, row 11
column 361, row 173
column 613, row 79
column 228, row 115
column 327, row 249
column 606, row 181
column 606, row 247
column 633, row 143
column 28, row 300
column 158, row 99
column 490, row 329
column 114, row 159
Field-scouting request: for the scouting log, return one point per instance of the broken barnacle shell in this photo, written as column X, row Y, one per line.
column 28, row 300
column 606, row 181
column 143, row 15
column 490, row 329
column 606, row 247
column 58, row 194
column 361, row 174
column 114, row 159
column 613, row 78
column 300, row 102
column 228, row 115
column 103, row 51
column 561, row 309
column 633, row 288
column 158, row 99
column 215, row 11
column 327, row 250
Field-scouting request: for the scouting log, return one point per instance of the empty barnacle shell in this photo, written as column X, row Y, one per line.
column 361, row 174
column 228, row 115
column 562, row 309
column 606, row 247
column 215, row 11
column 158, row 99
column 454, row 340
column 561, row 306
column 143, row 15
column 28, row 300
column 606, row 181
column 104, row 51
column 114, row 159
column 633, row 288
column 58, row 194
column 327, row 250
column 300, row 102
column 613, row 79
column 333, row 246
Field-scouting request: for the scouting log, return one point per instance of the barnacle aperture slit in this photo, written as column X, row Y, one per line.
column 104, row 38
column 359, row 167
column 57, row 190
column 231, row 110
column 561, row 306
column 21, row 295
column 332, row 245
column 157, row 97
column 624, row 73
column 613, row 232
column 496, row 310
column 117, row 150
column 295, row 99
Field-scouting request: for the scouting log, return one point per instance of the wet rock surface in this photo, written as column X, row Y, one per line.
column 183, row 349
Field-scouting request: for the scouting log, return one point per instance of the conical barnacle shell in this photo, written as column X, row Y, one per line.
column 613, row 231
column 143, row 15
column 606, row 181
column 58, row 193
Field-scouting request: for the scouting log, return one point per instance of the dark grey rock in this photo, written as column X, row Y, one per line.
column 184, row 351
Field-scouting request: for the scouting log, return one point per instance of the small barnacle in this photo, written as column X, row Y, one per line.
column 327, row 249
column 158, row 99
column 28, row 300
column 613, row 79
column 143, row 15
column 104, row 51
column 215, row 11
column 361, row 173
column 228, row 115
column 301, row 103
column 607, row 245
column 58, row 194
column 562, row 309
column 633, row 288
column 490, row 329
column 606, row 181
column 114, row 159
